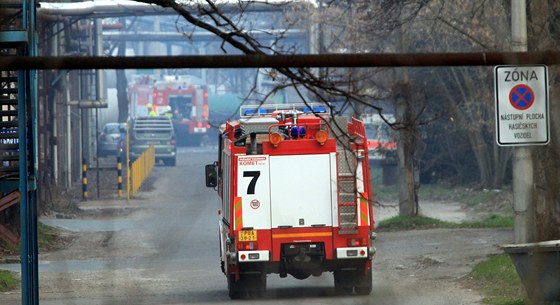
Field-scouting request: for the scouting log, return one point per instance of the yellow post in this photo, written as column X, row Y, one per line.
column 127, row 164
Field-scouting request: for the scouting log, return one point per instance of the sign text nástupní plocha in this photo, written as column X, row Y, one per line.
column 522, row 130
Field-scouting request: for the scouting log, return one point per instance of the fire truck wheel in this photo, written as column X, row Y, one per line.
column 363, row 282
column 343, row 283
column 256, row 284
column 248, row 286
column 234, row 290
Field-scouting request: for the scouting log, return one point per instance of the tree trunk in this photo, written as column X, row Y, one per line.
column 542, row 36
column 408, row 199
column 406, row 148
column 547, row 180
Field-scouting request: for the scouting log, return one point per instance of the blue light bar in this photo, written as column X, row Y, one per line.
column 267, row 109
column 249, row 111
column 320, row 109
column 254, row 111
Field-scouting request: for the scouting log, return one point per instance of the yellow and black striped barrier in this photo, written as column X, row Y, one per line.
column 119, row 175
column 84, row 179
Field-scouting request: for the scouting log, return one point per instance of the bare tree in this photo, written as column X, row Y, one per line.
column 356, row 88
column 374, row 26
column 309, row 85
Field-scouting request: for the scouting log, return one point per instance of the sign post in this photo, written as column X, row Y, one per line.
column 522, row 120
column 522, row 105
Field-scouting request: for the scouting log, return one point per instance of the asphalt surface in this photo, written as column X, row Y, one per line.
column 162, row 248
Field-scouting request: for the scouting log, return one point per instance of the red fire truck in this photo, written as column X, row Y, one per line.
column 382, row 143
column 140, row 94
column 182, row 97
column 296, row 198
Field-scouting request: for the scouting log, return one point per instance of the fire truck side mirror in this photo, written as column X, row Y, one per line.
column 211, row 175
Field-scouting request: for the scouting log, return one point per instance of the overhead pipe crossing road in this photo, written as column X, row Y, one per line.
column 280, row 61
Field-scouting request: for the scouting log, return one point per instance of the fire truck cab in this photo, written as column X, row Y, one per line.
column 295, row 195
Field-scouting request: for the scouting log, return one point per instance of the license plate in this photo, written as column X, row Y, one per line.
column 248, row 235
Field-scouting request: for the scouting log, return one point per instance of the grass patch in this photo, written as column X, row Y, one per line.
column 398, row 223
column 49, row 238
column 8, row 249
column 46, row 235
column 492, row 221
column 401, row 223
column 497, row 279
column 7, row 281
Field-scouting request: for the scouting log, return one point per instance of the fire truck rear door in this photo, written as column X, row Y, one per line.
column 303, row 190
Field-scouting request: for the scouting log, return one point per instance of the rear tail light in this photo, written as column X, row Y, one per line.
column 173, row 142
column 250, row 245
column 355, row 242
column 103, row 137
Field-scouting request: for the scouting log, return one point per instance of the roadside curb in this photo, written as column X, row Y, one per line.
column 105, row 206
column 13, row 259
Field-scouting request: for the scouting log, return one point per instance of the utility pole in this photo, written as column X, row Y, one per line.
column 523, row 207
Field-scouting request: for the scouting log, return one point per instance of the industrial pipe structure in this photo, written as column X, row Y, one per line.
column 279, row 61
column 134, row 8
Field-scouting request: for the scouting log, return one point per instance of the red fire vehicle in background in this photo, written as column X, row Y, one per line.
column 382, row 143
column 140, row 94
column 181, row 97
column 296, row 198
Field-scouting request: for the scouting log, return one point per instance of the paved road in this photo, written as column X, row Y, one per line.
column 162, row 248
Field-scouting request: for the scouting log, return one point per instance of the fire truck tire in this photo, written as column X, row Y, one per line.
column 234, row 290
column 249, row 285
column 256, row 285
column 363, row 282
column 343, row 283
